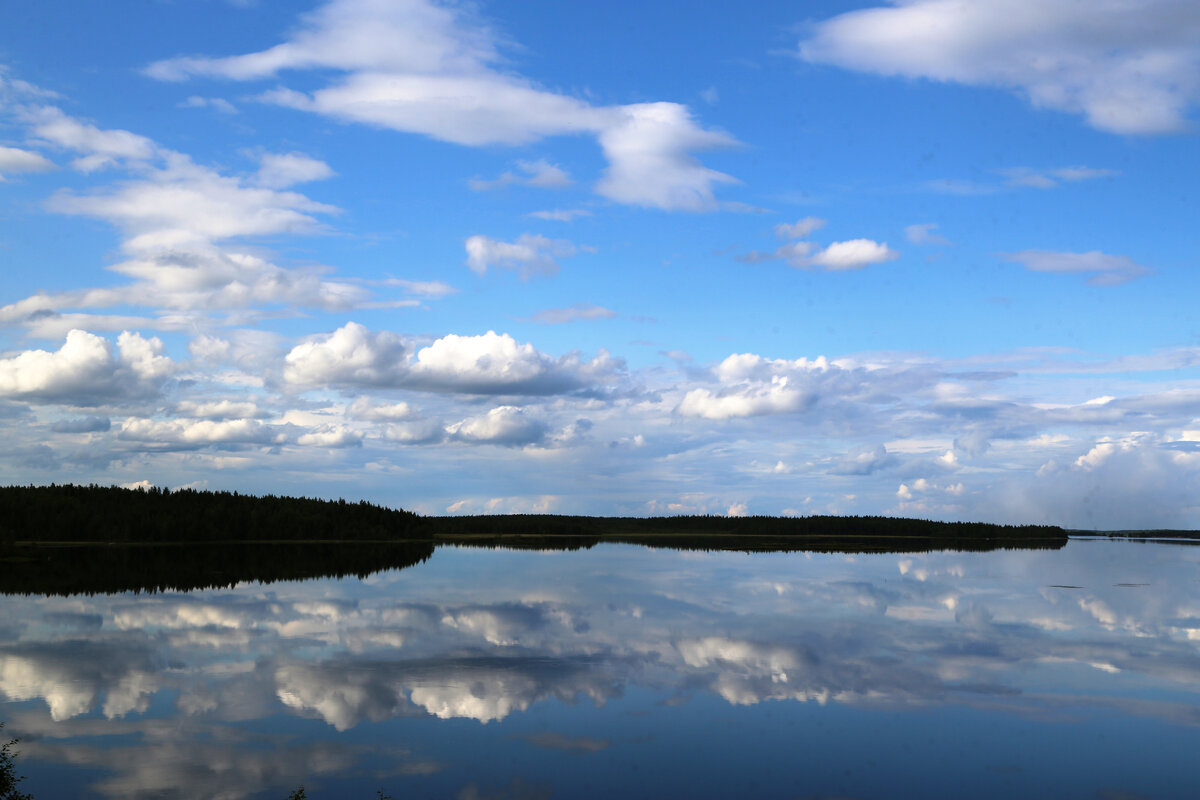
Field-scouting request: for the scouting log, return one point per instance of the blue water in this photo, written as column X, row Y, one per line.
column 626, row 672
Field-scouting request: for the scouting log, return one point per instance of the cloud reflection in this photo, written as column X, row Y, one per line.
column 1040, row 634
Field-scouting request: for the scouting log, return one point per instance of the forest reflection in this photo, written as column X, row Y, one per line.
column 94, row 568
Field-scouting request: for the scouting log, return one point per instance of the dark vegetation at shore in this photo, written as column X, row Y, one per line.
column 8, row 772
column 114, row 515
column 111, row 514
column 108, row 569
column 93, row 539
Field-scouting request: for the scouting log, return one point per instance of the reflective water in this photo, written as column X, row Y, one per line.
column 622, row 671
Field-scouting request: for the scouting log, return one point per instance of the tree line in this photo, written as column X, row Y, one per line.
column 66, row 539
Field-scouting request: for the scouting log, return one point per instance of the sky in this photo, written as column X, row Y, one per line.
column 924, row 258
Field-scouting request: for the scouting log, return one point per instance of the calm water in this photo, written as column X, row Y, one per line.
column 626, row 672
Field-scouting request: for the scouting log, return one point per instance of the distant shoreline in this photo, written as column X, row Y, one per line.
column 78, row 514
column 92, row 539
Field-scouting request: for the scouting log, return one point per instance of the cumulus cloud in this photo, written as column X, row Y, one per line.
column 854, row 254
column 350, row 355
column 431, row 69
column 495, row 363
column 778, row 396
column 503, row 425
column 1103, row 269
column 198, row 432
column 1127, row 482
column 488, row 364
column 217, row 409
column 332, row 436
column 753, row 386
column 363, row 408
column 529, row 255
column 87, row 370
column 1130, row 68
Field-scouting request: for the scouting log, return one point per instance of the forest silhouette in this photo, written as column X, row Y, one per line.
column 66, row 539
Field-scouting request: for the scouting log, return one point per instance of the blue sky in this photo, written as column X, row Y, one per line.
column 920, row 258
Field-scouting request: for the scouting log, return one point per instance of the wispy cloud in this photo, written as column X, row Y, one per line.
column 1103, row 269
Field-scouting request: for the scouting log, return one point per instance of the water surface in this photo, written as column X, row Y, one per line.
column 624, row 671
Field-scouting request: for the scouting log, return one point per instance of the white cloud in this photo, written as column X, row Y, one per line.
column 540, row 174
column 530, row 254
column 1131, row 68
column 217, row 409
column 503, row 425
column 779, row 396
column 100, row 148
column 650, row 162
column 488, row 364
column 1052, row 178
column 1104, row 269
column 496, row 363
column 579, row 311
column 350, row 355
column 959, row 187
column 14, row 160
column 560, row 214
column 209, row 348
column 178, row 221
column 421, row 431
column 1134, row 482
column 433, row 289
column 853, row 254
column 217, row 103
column 185, row 203
column 331, row 436
column 472, row 110
column 144, row 356
column 1096, row 456
column 353, row 35
column 1072, row 174
column 86, row 370
column 864, row 461
column 280, row 170
column 924, row 234
column 799, row 229
column 363, row 408
column 424, row 68
column 198, row 432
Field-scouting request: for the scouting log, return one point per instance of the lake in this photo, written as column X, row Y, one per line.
column 622, row 671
